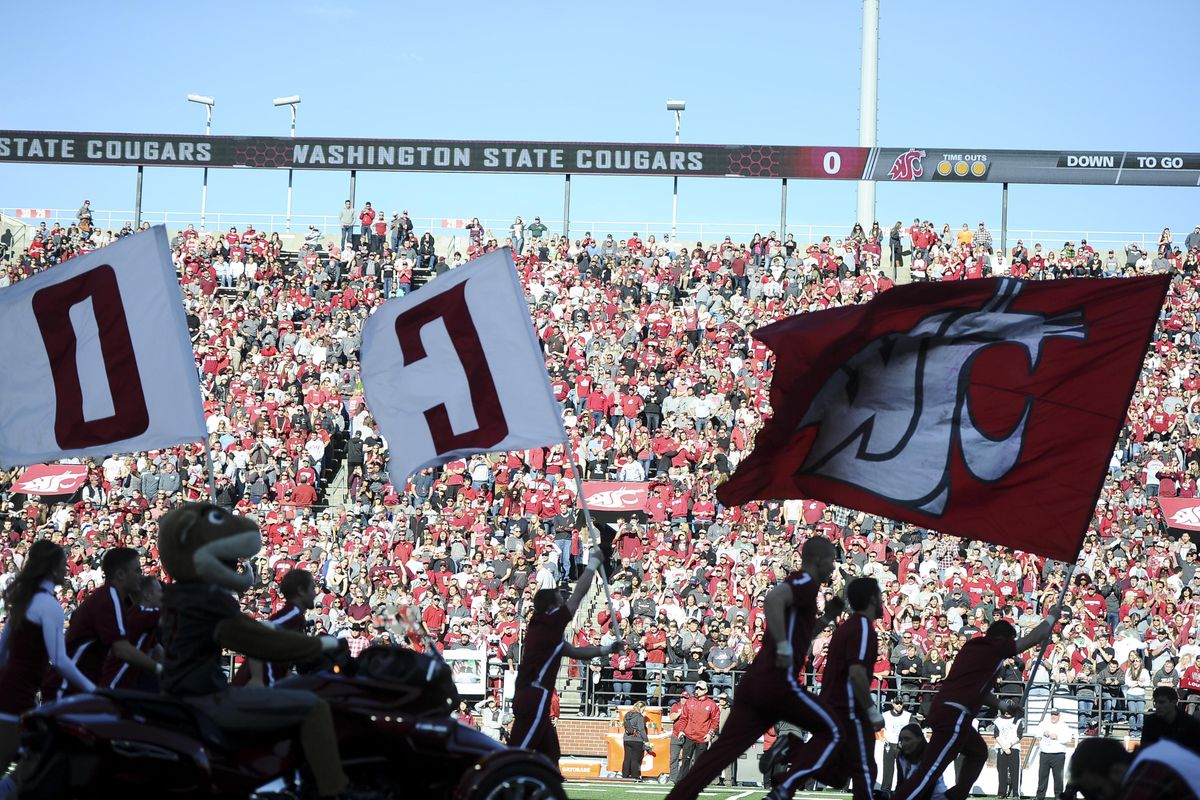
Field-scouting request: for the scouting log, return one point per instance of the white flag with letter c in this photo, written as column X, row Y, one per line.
column 455, row 368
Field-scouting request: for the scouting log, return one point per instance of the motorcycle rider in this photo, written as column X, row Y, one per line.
column 541, row 654
column 299, row 590
column 201, row 618
column 97, row 626
column 31, row 643
column 141, row 628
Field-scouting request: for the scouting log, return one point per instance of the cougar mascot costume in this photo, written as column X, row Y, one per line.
column 201, row 547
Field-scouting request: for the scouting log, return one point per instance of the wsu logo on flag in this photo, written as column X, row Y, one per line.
column 898, row 410
column 455, row 368
column 1181, row 512
column 986, row 409
column 615, row 495
column 51, row 479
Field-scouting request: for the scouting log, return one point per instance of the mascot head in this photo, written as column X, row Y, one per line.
column 201, row 541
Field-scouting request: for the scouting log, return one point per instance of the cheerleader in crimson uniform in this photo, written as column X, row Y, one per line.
column 32, row 642
column 769, row 691
column 964, row 691
column 541, row 653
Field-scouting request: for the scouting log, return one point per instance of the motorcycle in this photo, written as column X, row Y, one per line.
column 391, row 709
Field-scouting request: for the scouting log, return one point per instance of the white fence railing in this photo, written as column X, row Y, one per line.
column 620, row 229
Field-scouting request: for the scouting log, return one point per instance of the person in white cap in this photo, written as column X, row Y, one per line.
column 1055, row 738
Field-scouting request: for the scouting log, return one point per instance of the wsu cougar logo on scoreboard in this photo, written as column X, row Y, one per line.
column 907, row 166
column 890, row 419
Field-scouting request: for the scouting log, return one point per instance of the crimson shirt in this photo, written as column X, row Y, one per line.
column 543, row 648
column 141, row 628
column 854, row 642
column 802, row 617
column 27, row 666
column 289, row 618
column 95, row 625
column 701, row 716
column 974, row 671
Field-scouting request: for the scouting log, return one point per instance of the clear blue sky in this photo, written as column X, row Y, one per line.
column 1021, row 74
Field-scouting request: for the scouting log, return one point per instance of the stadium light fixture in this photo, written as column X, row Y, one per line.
column 292, row 100
column 208, row 104
column 677, row 107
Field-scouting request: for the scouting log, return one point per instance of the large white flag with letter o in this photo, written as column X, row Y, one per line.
column 455, row 368
column 96, row 357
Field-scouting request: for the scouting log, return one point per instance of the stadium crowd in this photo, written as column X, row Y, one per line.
column 649, row 350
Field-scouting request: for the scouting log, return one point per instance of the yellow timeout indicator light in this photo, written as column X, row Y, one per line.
column 948, row 169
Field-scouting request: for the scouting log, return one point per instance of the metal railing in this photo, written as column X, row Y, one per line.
column 1086, row 706
column 498, row 229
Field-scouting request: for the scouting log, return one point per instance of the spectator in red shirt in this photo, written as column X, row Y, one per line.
column 623, row 664
column 365, row 218
column 702, row 717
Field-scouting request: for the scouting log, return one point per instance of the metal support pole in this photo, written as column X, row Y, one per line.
column 868, row 104
column 353, row 179
column 613, row 625
column 137, row 201
column 289, row 200
column 783, row 210
column 567, row 207
column 1004, row 221
column 675, row 182
column 212, row 472
column 1069, row 573
column 204, row 185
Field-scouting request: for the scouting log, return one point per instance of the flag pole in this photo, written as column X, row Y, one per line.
column 587, row 521
column 212, row 473
column 1062, row 594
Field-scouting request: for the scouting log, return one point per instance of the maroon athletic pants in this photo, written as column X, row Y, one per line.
column 531, row 728
column 953, row 735
column 759, row 702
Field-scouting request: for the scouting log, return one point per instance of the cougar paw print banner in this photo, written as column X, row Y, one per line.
column 97, row 358
column 987, row 409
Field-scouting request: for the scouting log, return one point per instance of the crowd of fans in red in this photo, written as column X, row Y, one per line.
column 649, row 351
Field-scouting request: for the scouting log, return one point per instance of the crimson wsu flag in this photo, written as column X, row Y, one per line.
column 1181, row 512
column 987, row 409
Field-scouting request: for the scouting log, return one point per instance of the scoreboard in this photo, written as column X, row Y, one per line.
column 883, row 164
column 886, row 164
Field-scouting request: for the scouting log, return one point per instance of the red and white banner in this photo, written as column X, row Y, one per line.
column 1181, row 512
column 32, row 213
column 986, row 409
column 97, row 358
column 51, row 479
column 456, row 368
column 615, row 495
